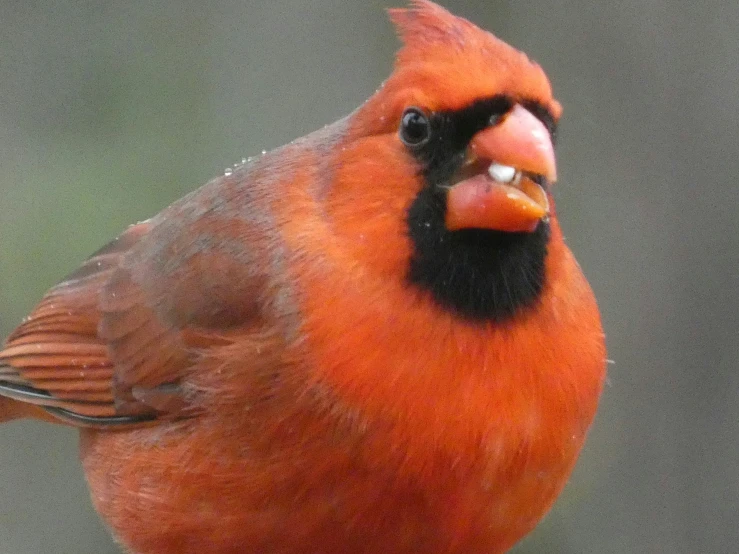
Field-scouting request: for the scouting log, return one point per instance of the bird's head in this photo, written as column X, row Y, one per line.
column 453, row 158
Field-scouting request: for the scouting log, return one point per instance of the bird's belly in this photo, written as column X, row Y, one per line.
column 180, row 494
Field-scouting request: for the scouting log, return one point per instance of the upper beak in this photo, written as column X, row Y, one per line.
column 499, row 189
column 521, row 140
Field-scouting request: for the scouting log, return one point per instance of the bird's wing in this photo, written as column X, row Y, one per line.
column 111, row 343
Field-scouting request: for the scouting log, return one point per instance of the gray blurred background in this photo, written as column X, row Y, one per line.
column 109, row 110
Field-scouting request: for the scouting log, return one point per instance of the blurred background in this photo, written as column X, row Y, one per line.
column 109, row 110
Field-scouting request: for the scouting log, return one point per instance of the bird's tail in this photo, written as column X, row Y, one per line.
column 12, row 408
column 9, row 409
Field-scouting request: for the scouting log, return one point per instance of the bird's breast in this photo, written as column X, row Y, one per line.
column 488, row 419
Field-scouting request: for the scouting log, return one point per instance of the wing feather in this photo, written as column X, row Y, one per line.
column 112, row 342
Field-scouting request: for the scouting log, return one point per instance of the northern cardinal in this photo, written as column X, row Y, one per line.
column 373, row 339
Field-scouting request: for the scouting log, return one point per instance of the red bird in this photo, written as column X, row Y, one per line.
column 373, row 339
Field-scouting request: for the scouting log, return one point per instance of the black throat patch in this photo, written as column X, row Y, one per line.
column 479, row 274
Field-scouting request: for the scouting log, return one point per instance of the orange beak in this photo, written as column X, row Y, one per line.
column 484, row 200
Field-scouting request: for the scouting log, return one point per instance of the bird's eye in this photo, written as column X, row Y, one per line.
column 496, row 118
column 414, row 127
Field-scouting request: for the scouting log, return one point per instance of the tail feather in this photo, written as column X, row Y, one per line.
column 7, row 410
column 10, row 408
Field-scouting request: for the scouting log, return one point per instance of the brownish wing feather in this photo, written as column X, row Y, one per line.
column 113, row 342
column 79, row 351
column 55, row 357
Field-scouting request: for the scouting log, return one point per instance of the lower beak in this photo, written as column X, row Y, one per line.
column 503, row 194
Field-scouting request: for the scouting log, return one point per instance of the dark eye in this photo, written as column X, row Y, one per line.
column 495, row 118
column 414, row 127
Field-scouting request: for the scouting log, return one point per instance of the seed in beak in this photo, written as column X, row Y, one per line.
column 502, row 173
